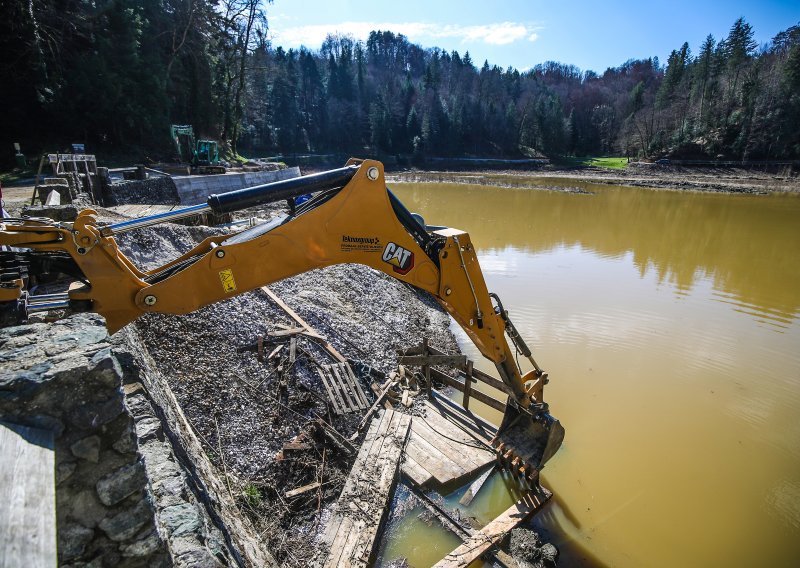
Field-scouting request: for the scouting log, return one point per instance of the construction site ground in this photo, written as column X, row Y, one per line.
column 266, row 423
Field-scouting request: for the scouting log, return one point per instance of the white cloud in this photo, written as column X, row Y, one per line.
column 312, row 36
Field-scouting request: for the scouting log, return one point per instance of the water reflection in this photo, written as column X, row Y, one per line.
column 739, row 241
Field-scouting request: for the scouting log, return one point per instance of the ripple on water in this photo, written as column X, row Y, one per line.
column 783, row 501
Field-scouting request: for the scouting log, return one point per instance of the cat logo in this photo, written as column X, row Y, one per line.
column 402, row 260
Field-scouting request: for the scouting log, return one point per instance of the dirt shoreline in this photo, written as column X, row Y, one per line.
column 716, row 180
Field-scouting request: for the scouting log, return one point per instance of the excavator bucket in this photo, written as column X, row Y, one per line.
column 528, row 440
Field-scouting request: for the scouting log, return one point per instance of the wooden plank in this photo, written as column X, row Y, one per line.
column 479, row 375
column 331, row 396
column 490, row 535
column 336, row 388
column 333, row 371
column 455, row 452
column 351, row 482
column 389, row 459
column 489, row 380
column 363, row 504
column 285, row 332
column 356, row 382
column 456, row 426
column 355, row 404
column 415, row 472
column 468, row 456
column 312, row 333
column 453, row 411
column 467, row 385
column 476, row 486
column 470, row 453
column 476, row 394
column 292, row 351
column 356, row 544
column 341, row 523
column 441, row 467
column 347, row 374
column 447, row 379
column 303, row 489
column 446, row 360
column 27, row 497
column 378, row 399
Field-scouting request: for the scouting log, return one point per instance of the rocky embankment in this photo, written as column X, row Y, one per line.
column 122, row 497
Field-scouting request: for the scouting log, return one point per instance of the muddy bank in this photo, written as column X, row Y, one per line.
column 722, row 180
column 245, row 411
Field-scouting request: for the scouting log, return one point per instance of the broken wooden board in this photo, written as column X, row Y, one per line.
column 446, row 446
column 343, row 388
column 363, row 505
column 27, row 497
column 476, row 486
column 310, row 332
column 489, row 536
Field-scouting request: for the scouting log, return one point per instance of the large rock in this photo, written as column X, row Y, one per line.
column 123, row 482
column 528, row 550
column 125, row 525
column 88, row 449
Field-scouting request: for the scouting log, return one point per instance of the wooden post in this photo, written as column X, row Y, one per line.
column 467, row 385
column 427, row 368
column 36, row 181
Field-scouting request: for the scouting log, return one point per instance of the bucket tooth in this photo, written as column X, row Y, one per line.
column 525, row 440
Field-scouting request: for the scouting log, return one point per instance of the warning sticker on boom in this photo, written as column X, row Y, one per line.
column 228, row 282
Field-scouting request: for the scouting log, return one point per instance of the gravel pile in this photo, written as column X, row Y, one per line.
column 157, row 190
column 238, row 405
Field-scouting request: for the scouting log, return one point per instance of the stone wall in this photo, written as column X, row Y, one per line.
column 63, row 377
column 155, row 190
column 123, row 498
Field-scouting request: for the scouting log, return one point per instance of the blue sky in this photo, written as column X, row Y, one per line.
column 522, row 34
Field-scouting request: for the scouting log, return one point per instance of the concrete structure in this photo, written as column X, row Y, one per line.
column 195, row 189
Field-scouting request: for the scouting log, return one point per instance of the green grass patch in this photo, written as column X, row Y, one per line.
column 252, row 495
column 576, row 162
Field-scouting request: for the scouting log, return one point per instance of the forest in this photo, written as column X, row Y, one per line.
column 114, row 74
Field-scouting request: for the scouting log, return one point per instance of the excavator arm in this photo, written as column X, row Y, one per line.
column 353, row 218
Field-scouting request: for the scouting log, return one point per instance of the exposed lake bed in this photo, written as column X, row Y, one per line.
column 708, row 179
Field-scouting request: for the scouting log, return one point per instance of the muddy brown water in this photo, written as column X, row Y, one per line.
column 668, row 322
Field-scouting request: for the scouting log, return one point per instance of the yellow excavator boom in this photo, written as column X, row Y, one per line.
column 352, row 219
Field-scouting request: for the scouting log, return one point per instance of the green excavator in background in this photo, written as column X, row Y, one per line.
column 201, row 155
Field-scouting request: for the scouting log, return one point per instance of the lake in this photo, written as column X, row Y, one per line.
column 668, row 322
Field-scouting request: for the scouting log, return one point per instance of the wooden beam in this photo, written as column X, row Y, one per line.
column 476, row 394
column 445, row 360
column 467, row 385
column 310, row 331
column 480, row 375
column 363, row 505
column 285, row 332
column 303, row 489
column 476, row 486
column 378, row 400
column 491, row 535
